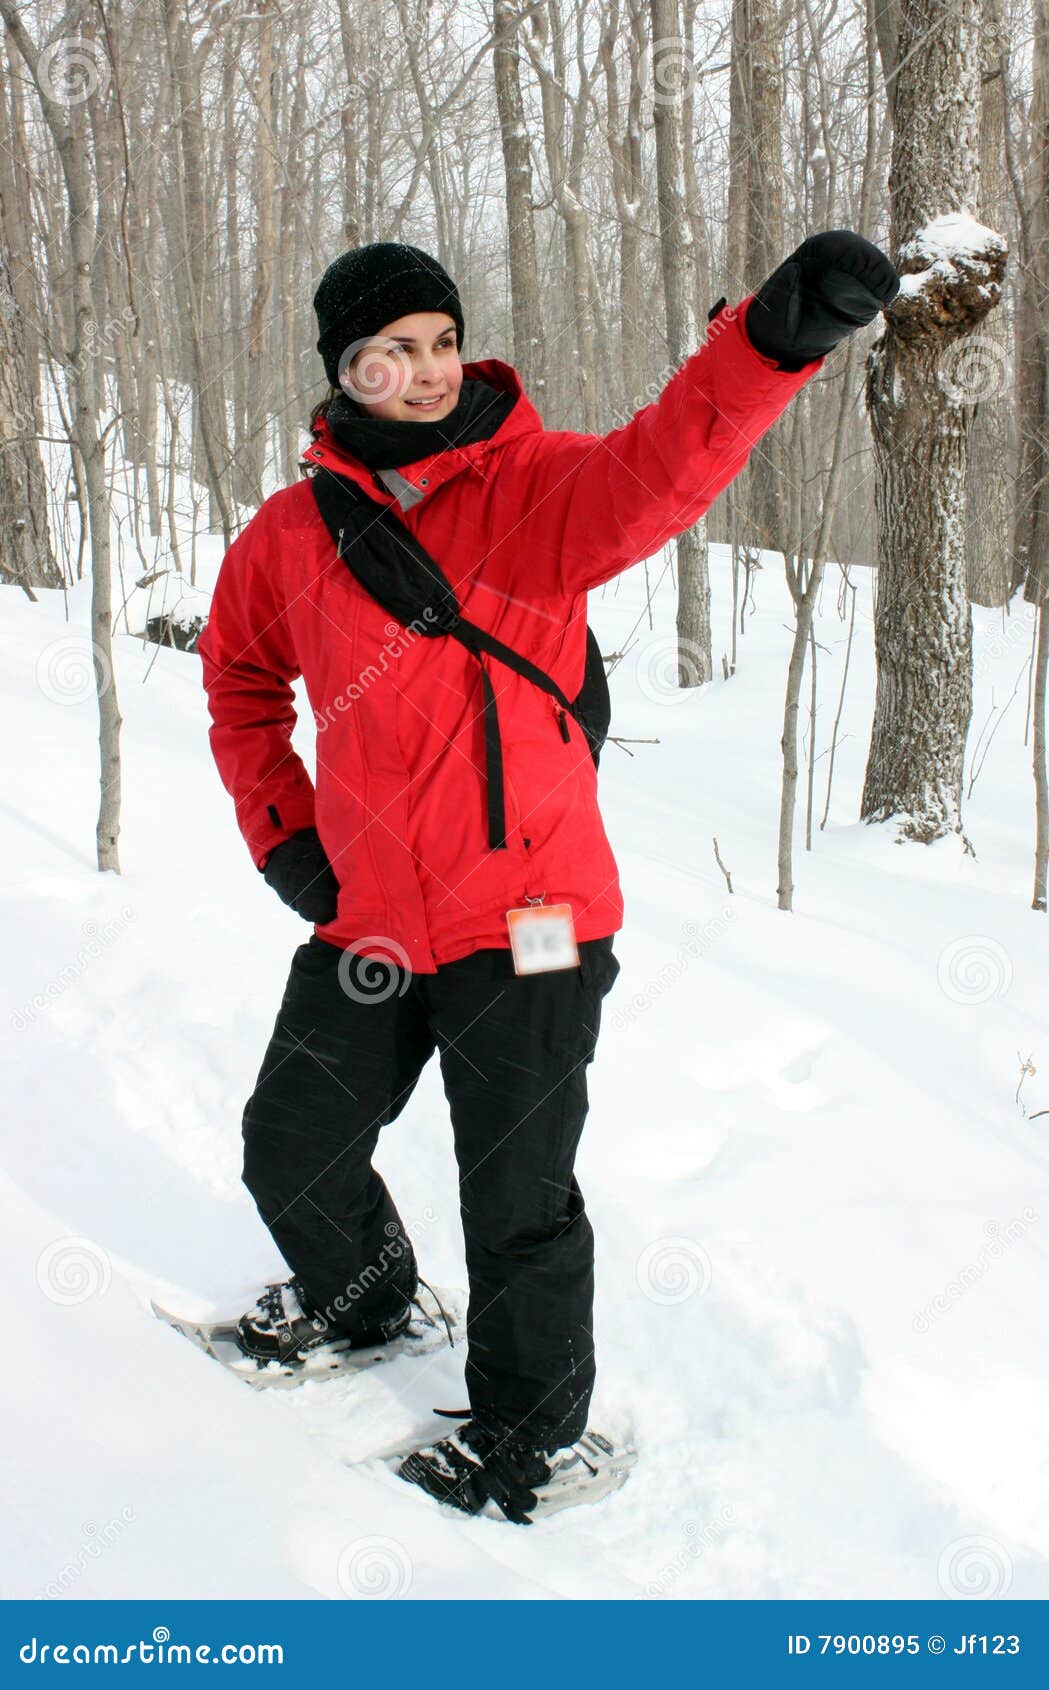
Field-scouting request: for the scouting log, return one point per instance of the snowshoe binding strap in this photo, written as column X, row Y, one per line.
column 472, row 1467
column 442, row 1310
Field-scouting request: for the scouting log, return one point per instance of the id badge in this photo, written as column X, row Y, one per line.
column 542, row 937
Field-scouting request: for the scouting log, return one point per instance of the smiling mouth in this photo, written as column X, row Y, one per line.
column 426, row 404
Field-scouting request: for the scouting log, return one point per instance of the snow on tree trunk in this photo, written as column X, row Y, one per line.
column 921, row 413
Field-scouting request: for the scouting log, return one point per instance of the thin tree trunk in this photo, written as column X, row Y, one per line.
column 259, row 338
column 764, row 249
column 693, row 601
column 1038, row 760
column 526, row 315
column 561, row 116
column 193, row 220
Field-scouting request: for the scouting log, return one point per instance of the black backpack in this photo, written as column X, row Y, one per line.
column 390, row 564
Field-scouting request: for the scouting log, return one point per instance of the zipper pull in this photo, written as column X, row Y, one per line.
column 339, row 548
column 562, row 724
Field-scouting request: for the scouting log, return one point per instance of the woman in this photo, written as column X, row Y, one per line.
column 453, row 839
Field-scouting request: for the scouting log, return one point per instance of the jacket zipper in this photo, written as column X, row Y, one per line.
column 561, row 723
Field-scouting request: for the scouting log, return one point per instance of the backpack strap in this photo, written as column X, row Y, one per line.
column 390, row 564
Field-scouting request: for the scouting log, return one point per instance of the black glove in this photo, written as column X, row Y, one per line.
column 299, row 872
column 830, row 285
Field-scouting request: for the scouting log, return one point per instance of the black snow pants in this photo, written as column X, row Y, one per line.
column 350, row 1041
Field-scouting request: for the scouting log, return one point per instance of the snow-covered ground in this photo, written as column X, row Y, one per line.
column 820, row 1208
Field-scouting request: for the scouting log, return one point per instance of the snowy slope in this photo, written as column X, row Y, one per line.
column 820, row 1210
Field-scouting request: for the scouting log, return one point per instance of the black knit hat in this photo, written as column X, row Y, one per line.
column 373, row 285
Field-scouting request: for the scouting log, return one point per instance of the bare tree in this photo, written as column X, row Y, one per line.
column 921, row 419
column 259, row 380
column 565, row 117
column 192, row 206
column 1034, row 387
column 529, row 344
column 25, row 539
column 987, row 489
column 693, row 604
column 83, row 383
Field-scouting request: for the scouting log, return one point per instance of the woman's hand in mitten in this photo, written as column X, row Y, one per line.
column 830, row 285
column 300, row 873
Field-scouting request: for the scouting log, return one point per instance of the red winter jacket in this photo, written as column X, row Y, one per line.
column 523, row 524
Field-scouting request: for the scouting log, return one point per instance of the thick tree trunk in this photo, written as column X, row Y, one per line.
column 25, row 540
column 986, row 492
column 920, row 420
column 1036, row 417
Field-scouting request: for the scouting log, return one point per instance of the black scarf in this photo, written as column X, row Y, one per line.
column 381, row 443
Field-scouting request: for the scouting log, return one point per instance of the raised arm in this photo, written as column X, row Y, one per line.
column 589, row 505
column 249, row 665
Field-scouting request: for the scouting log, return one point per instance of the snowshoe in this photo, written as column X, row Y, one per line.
column 479, row 1473
column 433, row 1318
column 285, row 1325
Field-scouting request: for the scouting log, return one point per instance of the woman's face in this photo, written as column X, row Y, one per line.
column 411, row 360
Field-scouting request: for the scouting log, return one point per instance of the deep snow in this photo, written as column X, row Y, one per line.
column 820, row 1210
